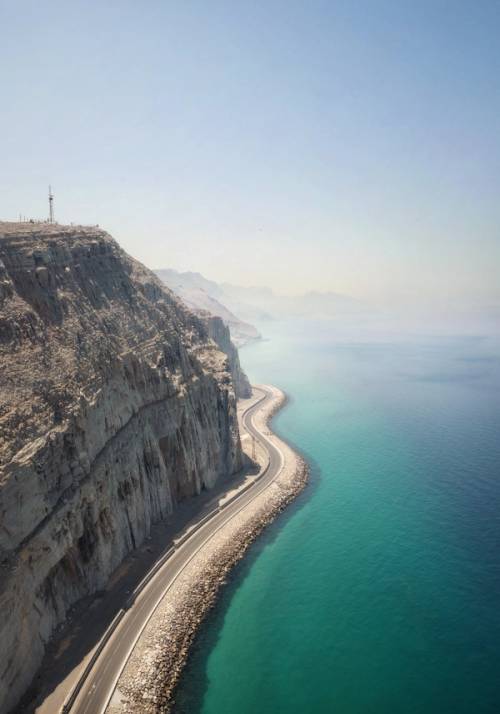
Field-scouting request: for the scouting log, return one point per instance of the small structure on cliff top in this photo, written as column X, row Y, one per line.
column 51, row 206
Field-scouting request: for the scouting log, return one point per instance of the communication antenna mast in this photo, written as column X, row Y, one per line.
column 51, row 206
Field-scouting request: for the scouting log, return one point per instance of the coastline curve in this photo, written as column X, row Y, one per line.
column 148, row 681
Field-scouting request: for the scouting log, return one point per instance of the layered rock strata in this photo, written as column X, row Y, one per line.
column 115, row 404
column 221, row 335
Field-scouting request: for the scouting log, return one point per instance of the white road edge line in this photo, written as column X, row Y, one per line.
column 153, row 610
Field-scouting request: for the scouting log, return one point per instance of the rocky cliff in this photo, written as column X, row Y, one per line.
column 221, row 335
column 201, row 294
column 115, row 404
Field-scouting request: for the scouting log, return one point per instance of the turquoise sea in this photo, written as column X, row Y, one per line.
column 378, row 590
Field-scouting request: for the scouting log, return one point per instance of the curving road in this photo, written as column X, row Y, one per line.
column 96, row 689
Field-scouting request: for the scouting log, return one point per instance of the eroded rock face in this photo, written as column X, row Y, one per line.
column 221, row 335
column 115, row 404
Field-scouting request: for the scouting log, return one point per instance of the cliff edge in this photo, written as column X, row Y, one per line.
column 115, row 404
column 221, row 335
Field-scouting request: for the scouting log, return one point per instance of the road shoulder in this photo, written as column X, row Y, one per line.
column 147, row 684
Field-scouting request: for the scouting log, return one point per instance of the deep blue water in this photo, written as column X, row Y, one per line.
column 379, row 589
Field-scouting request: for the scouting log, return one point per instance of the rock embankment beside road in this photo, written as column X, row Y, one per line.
column 147, row 684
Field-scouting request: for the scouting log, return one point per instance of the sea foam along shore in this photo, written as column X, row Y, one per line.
column 147, row 684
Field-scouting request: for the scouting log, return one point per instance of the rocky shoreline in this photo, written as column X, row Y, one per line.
column 148, row 682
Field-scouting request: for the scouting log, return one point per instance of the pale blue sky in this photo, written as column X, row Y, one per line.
column 351, row 146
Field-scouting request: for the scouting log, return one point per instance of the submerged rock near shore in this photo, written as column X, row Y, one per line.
column 115, row 404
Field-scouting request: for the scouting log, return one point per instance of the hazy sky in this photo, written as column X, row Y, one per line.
column 348, row 146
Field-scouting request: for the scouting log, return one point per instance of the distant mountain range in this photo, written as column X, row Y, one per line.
column 201, row 294
column 239, row 307
column 263, row 304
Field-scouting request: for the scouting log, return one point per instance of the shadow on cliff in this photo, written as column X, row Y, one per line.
column 194, row 681
column 89, row 618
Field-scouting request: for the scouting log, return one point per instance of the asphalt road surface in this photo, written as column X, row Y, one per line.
column 98, row 687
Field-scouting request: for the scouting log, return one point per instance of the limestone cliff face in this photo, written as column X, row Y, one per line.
column 221, row 335
column 115, row 404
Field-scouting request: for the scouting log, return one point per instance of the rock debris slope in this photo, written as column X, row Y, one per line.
column 115, row 404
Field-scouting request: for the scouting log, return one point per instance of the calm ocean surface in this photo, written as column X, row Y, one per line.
column 379, row 590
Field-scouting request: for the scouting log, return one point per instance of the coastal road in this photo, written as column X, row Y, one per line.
column 99, row 684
